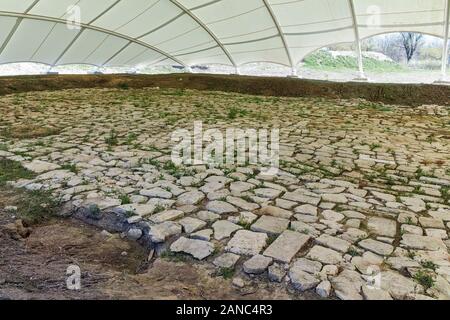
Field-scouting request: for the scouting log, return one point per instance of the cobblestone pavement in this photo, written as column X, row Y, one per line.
column 359, row 210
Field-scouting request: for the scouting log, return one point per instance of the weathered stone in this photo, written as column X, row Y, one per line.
column 242, row 204
column 226, row 260
column 436, row 233
column 191, row 224
column 335, row 198
column 377, row 247
column 156, row 193
column 324, row 289
column 286, row 246
column 161, row 232
column 347, row 286
column 220, row 207
column 38, row 166
column 169, row 215
column 257, row 264
column 309, row 266
column 275, row 212
column 413, row 241
column 307, row 209
column 208, row 216
column 304, row 228
column 302, row 280
column 334, row 216
column 224, row 229
column 398, row 286
column 270, row 225
column 134, row 234
column 371, row 293
column 204, row 235
column 333, row 243
column 382, row 227
column 414, row 204
column 431, row 223
column 192, row 197
column 267, row 193
column 276, row 273
column 240, row 187
column 196, row 248
column 324, row 255
column 299, row 197
column 247, row 243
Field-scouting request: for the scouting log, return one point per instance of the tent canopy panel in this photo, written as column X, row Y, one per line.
column 187, row 32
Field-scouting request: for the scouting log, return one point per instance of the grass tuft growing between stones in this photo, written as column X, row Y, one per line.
column 226, row 273
column 12, row 171
column 29, row 132
column 425, row 279
column 32, row 206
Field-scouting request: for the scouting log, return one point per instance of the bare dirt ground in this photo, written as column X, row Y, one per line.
column 35, row 268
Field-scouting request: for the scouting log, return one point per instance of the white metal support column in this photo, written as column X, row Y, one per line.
column 362, row 76
column 445, row 51
column 283, row 39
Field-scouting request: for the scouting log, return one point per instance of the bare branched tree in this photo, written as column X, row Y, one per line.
column 411, row 42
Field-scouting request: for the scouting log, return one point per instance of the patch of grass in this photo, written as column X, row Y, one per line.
column 353, row 252
column 113, row 139
column 3, row 147
column 324, row 60
column 29, row 131
column 131, row 138
column 70, row 167
column 271, row 239
column 124, row 199
column 234, row 112
column 37, row 206
column 425, row 279
column 174, row 257
column 429, row 265
column 175, row 170
column 12, row 171
column 123, row 86
column 226, row 273
column 159, row 208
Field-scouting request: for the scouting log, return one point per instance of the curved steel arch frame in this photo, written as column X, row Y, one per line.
column 173, row 57
column 84, row 26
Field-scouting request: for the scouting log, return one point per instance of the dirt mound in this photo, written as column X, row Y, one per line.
column 405, row 94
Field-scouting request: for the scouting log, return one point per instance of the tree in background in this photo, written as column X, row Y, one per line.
column 411, row 43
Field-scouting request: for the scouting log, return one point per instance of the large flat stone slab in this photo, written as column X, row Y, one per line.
column 161, row 232
column 168, row 215
column 286, row 246
column 270, row 225
column 247, row 242
column 377, row 247
column 413, row 241
column 223, row 229
column 333, row 243
column 38, row 166
column 324, row 255
column 197, row 248
column 382, row 227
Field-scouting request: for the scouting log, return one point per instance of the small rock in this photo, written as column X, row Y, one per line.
column 257, row 264
column 324, row 289
column 197, row 248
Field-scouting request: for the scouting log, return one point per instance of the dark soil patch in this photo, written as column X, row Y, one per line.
column 404, row 94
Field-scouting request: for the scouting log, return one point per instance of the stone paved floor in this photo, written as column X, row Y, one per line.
column 362, row 199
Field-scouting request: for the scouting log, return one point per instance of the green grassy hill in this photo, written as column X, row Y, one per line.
column 324, row 60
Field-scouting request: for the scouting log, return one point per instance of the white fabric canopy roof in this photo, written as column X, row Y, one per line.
column 190, row 32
